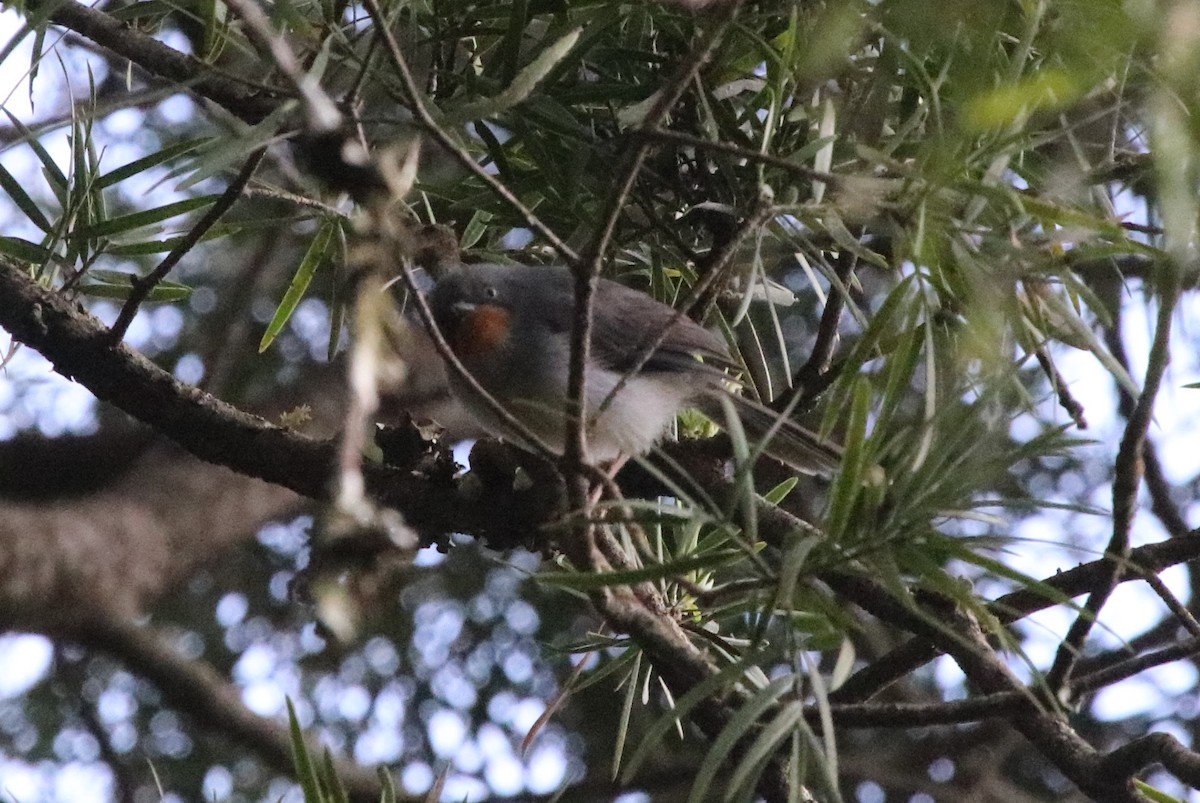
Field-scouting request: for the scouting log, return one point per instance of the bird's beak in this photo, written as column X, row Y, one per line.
column 464, row 307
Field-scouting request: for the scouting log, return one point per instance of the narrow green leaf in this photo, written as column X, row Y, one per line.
column 900, row 369
column 780, row 491
column 168, row 153
column 333, row 784
column 827, row 758
column 823, row 158
column 1154, row 794
column 732, row 733
column 9, row 183
column 1027, row 582
column 495, row 150
column 144, row 9
column 81, row 138
column 306, row 774
column 727, row 677
column 220, row 154
column 168, row 244
column 609, row 667
column 890, row 318
column 389, row 786
column 159, row 294
column 842, row 236
column 216, row 26
column 337, row 303
column 35, row 59
column 523, row 84
column 1069, row 318
column 509, row 50
column 748, row 769
column 56, row 177
column 795, row 553
column 137, row 220
column 474, row 229
column 1002, row 106
column 844, row 664
column 318, row 249
column 622, row 735
column 117, row 284
column 801, row 155
column 25, row 251
column 850, row 479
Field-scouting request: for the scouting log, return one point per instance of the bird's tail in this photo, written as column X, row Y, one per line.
column 782, row 438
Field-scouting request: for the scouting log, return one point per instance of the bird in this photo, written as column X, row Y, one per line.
column 510, row 327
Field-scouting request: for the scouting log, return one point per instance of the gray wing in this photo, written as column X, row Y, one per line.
column 633, row 320
column 625, row 322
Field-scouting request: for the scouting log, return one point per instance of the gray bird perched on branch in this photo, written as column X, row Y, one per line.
column 510, row 327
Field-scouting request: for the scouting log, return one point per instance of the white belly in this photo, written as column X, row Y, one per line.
column 631, row 424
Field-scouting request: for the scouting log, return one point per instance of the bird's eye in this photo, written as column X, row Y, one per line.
column 491, row 292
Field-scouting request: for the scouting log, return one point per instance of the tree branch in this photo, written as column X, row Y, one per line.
column 915, row 653
column 1128, row 476
column 246, row 100
column 78, row 345
column 195, row 689
column 961, row 637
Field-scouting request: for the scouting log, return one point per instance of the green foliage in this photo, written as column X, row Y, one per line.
column 945, row 169
column 318, row 779
column 319, row 252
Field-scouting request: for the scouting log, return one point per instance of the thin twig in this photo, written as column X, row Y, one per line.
column 575, row 452
column 920, row 715
column 276, row 194
column 1132, row 758
column 142, row 287
column 668, row 96
column 1126, row 481
column 960, row 635
column 587, row 272
column 1066, row 399
column 915, row 653
column 1142, row 228
column 1161, row 503
column 1164, row 631
column 1157, row 486
column 831, row 318
column 354, row 96
column 439, row 134
column 124, row 779
column 1172, row 602
column 1134, row 666
column 10, row 136
column 680, row 138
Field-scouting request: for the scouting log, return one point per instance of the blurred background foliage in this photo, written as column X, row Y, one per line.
column 1001, row 195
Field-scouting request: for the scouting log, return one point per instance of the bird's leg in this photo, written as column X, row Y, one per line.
column 607, row 479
